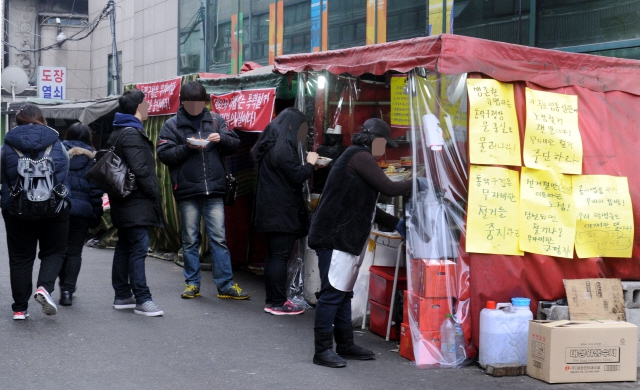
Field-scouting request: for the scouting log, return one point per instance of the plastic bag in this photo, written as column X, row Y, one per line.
column 295, row 275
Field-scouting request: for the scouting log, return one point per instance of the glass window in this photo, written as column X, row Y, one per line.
column 342, row 16
column 191, row 37
column 297, row 24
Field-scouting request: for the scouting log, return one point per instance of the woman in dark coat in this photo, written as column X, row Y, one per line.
column 87, row 206
column 339, row 232
column 34, row 140
column 281, row 212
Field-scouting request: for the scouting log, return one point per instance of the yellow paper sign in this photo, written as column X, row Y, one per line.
column 494, row 137
column 552, row 137
column 400, row 111
column 605, row 219
column 547, row 213
column 492, row 219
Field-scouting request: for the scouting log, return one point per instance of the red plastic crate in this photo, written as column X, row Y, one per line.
column 430, row 312
column 406, row 344
column 433, row 280
column 381, row 283
column 378, row 318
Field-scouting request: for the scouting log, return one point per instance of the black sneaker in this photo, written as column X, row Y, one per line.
column 287, row 309
column 190, row 291
column 233, row 292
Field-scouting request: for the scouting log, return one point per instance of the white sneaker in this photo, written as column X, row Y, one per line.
column 48, row 306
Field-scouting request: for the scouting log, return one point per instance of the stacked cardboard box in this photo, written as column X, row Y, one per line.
column 433, row 290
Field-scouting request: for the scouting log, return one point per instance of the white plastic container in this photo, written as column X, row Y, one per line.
column 504, row 329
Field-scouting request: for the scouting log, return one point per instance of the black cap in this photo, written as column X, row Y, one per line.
column 379, row 128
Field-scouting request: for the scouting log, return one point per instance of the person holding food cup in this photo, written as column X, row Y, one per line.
column 281, row 212
column 193, row 144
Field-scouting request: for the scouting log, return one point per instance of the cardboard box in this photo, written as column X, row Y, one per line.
column 429, row 312
column 433, row 278
column 595, row 299
column 582, row 351
column 406, row 343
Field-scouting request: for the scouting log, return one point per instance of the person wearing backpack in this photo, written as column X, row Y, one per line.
column 136, row 213
column 34, row 207
column 87, row 206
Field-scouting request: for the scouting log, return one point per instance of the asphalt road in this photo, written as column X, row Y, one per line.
column 201, row 343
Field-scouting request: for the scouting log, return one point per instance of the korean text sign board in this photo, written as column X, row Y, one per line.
column 52, row 82
column 163, row 96
column 249, row 110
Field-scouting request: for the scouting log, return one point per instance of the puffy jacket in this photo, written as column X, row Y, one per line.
column 85, row 196
column 32, row 140
column 142, row 207
column 195, row 172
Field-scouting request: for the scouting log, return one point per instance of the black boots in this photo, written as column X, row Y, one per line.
column 324, row 355
column 347, row 349
column 66, row 298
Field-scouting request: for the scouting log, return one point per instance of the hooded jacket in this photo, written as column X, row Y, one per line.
column 142, row 207
column 85, row 196
column 195, row 172
column 32, row 140
column 280, row 205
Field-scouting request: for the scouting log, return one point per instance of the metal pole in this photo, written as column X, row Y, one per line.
column 444, row 16
column 532, row 22
column 114, row 49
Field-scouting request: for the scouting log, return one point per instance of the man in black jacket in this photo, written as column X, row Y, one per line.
column 193, row 144
column 137, row 212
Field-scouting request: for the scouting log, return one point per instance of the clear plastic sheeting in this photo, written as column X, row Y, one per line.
column 295, row 275
column 438, row 271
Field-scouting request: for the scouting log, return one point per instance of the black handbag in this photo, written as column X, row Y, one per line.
column 111, row 174
column 231, row 185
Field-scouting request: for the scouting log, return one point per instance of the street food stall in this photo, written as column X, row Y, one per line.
column 521, row 161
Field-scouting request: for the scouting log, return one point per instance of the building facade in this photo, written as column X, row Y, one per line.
column 160, row 39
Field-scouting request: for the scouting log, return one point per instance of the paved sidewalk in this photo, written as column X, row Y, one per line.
column 201, row 343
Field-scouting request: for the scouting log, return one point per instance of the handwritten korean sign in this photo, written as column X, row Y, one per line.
column 52, row 82
column 604, row 216
column 163, row 96
column 249, row 110
column 400, row 109
column 547, row 213
column 552, row 137
column 492, row 219
column 494, row 137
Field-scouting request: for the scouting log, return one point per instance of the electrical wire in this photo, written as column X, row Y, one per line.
column 92, row 27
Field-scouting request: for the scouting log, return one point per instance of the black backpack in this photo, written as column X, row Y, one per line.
column 35, row 194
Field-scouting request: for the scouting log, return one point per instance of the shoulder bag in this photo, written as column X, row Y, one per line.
column 111, row 174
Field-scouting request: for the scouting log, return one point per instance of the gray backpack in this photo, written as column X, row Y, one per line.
column 35, row 194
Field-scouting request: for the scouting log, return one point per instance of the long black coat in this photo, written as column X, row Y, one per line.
column 142, row 207
column 280, row 206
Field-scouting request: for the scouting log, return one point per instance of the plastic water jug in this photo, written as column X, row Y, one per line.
column 504, row 330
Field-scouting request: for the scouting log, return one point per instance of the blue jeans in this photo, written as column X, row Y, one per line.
column 128, row 274
column 212, row 210
column 334, row 306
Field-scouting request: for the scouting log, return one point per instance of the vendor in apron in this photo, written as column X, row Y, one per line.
column 339, row 232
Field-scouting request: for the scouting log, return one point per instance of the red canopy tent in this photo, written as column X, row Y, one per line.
column 608, row 90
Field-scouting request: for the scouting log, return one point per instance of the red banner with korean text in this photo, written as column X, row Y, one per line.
column 249, row 110
column 163, row 96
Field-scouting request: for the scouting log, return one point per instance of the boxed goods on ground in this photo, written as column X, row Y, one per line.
column 429, row 312
column 406, row 343
column 381, row 283
column 433, row 278
column 585, row 351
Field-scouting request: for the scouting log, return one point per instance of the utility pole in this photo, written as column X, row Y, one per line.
column 114, row 50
